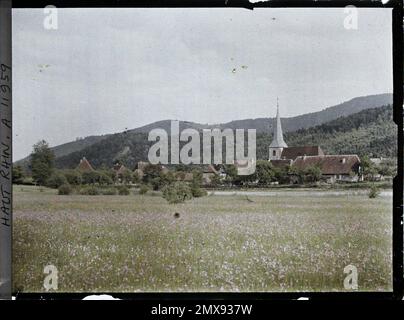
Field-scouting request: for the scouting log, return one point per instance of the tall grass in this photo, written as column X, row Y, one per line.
column 218, row 243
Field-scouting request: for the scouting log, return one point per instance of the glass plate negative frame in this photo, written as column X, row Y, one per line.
column 397, row 228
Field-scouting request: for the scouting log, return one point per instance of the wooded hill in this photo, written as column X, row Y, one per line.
column 370, row 132
column 361, row 125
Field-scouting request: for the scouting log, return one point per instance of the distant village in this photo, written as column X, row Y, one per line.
column 289, row 165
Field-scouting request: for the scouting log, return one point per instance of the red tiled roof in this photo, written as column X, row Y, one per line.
column 84, row 165
column 294, row 152
column 330, row 164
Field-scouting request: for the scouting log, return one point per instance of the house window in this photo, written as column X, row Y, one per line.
column 274, row 153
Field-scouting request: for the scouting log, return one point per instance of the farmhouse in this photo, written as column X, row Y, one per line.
column 333, row 167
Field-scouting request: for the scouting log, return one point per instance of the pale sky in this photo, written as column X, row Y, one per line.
column 112, row 69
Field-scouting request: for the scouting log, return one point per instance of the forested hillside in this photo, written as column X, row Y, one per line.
column 369, row 132
column 261, row 125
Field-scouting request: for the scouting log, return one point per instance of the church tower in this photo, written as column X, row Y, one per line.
column 278, row 144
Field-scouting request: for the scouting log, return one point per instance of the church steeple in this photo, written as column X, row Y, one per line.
column 277, row 141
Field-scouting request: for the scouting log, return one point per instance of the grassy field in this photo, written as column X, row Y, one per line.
column 287, row 242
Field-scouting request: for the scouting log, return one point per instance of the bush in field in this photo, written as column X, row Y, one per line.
column 177, row 192
column 198, row 192
column 65, row 189
column 109, row 191
column 136, row 178
column 73, row 177
column 123, row 190
column 90, row 191
column 143, row 189
column 56, row 180
column 374, row 191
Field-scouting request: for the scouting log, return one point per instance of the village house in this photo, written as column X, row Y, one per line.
column 333, row 167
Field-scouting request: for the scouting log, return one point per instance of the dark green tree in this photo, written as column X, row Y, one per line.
column 196, row 183
column 18, row 175
column 73, row 177
column 42, row 162
column 154, row 175
column 90, row 177
column 126, row 176
column 151, row 171
column 136, row 178
column 56, row 180
column 369, row 169
column 104, row 179
column 296, row 173
column 281, row 175
column 177, row 192
column 264, row 172
column 216, row 180
column 231, row 173
column 312, row 174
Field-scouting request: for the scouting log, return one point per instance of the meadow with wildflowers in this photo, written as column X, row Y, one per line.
column 288, row 241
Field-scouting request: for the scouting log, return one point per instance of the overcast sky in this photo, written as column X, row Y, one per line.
column 111, row 69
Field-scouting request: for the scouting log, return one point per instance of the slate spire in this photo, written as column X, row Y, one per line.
column 277, row 141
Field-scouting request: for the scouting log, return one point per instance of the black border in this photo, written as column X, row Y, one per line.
column 397, row 21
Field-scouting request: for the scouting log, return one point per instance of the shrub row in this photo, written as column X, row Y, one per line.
column 66, row 189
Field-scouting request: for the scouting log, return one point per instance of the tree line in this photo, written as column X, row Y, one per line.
column 172, row 182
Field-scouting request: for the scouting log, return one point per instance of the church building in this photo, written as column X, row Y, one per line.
column 279, row 150
column 333, row 167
